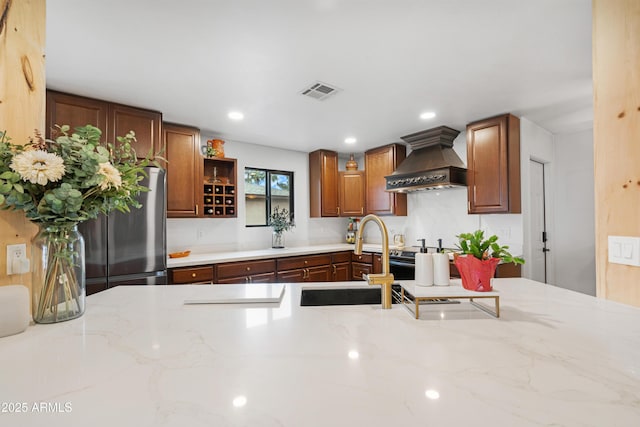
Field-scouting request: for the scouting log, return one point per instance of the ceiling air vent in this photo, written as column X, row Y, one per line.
column 320, row 91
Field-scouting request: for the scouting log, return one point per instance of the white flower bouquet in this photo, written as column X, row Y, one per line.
column 59, row 183
column 71, row 179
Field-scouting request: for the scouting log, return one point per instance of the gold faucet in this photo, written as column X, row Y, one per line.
column 385, row 279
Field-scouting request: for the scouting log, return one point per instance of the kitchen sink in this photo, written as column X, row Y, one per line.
column 357, row 296
column 345, row 296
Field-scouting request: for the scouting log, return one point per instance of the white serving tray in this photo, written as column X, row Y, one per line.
column 236, row 294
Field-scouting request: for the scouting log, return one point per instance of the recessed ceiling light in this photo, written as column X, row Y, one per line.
column 236, row 115
column 350, row 140
column 427, row 115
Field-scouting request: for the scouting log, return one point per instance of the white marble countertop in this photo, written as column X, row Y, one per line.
column 217, row 257
column 139, row 357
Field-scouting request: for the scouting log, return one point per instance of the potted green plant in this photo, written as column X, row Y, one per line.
column 281, row 221
column 478, row 258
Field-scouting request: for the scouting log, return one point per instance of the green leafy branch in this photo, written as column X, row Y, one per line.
column 476, row 245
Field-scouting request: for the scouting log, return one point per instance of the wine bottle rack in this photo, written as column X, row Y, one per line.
column 220, row 200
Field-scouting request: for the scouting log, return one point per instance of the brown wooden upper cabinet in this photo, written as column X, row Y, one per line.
column 351, row 191
column 184, row 171
column 378, row 163
column 146, row 124
column 112, row 119
column 493, row 165
column 323, row 184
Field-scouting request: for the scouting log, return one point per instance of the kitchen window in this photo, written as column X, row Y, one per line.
column 264, row 190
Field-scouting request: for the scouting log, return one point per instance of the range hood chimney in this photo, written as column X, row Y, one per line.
column 431, row 165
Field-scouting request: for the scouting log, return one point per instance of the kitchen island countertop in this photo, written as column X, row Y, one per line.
column 139, row 357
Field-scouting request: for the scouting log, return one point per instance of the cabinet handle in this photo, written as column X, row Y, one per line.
column 359, row 257
column 248, row 268
column 196, row 209
column 361, row 210
column 250, row 279
column 305, row 273
column 193, row 274
column 335, row 270
column 306, row 262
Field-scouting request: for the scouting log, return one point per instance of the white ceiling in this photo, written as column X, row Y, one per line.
column 197, row 60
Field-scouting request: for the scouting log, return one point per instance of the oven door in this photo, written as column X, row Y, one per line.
column 402, row 270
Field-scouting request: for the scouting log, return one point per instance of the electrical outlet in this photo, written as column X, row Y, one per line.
column 17, row 260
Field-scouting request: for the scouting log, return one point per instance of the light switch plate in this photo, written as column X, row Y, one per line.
column 624, row 250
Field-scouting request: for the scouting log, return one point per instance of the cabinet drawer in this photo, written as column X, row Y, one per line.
column 245, row 268
column 341, row 257
column 303, row 262
column 366, row 258
column 192, row 274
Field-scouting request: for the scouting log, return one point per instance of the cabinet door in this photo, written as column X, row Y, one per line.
column 319, row 274
column 146, row 124
column 381, row 162
column 351, row 191
column 256, row 278
column 72, row 110
column 323, row 184
column 263, row 278
column 233, row 280
column 377, row 263
column 358, row 269
column 184, row 171
column 341, row 272
column 292, row 276
column 493, row 165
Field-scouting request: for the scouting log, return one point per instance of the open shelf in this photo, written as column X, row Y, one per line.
column 219, row 188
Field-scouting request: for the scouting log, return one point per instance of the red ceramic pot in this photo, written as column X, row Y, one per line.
column 476, row 274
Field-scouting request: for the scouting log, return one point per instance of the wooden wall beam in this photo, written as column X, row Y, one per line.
column 616, row 84
column 22, row 102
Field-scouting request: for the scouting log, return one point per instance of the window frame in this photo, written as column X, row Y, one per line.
column 268, row 173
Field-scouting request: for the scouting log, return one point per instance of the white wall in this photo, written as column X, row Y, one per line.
column 574, row 250
column 228, row 234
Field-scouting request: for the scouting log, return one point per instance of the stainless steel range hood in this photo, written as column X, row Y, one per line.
column 432, row 165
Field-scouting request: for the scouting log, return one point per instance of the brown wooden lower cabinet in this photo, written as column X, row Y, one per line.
column 358, row 269
column 260, row 271
column 306, row 268
column 366, row 263
column 341, row 272
column 330, row 267
column 341, row 266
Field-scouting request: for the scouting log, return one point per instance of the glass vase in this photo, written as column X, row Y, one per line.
column 58, row 289
column 277, row 240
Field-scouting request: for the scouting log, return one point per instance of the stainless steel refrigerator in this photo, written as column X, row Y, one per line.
column 129, row 248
